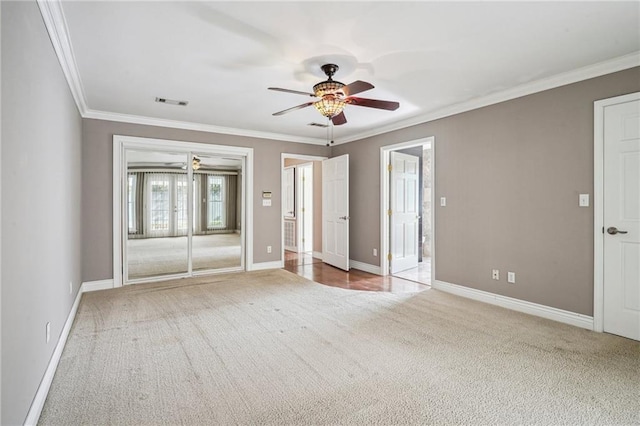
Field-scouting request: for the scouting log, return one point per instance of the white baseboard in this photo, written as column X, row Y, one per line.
column 366, row 267
column 43, row 390
column 276, row 264
column 317, row 255
column 96, row 285
column 571, row 318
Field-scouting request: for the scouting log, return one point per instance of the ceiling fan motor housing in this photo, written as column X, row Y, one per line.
column 328, row 86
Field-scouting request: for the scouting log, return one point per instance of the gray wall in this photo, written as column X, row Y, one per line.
column 97, row 178
column 511, row 173
column 41, row 249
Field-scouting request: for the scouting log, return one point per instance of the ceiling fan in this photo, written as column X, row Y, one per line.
column 334, row 96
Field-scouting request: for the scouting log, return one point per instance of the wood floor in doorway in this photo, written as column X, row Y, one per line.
column 305, row 265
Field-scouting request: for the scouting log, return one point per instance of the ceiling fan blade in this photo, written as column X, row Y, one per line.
column 278, row 89
column 373, row 103
column 356, row 87
column 339, row 119
column 294, row 108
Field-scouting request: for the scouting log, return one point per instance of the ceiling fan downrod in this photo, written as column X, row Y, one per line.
column 330, row 69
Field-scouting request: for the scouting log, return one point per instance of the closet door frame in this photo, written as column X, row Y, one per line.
column 123, row 143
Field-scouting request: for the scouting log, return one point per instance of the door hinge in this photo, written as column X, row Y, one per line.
column 389, row 167
column 389, row 256
column 389, row 212
column 303, row 210
column 603, row 229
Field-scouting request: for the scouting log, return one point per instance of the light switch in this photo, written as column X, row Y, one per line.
column 584, row 200
column 443, row 201
column 266, row 203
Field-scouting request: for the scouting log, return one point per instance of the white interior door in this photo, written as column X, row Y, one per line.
column 289, row 210
column 622, row 219
column 305, row 207
column 404, row 219
column 335, row 211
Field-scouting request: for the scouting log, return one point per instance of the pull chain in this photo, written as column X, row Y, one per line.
column 328, row 130
column 331, row 124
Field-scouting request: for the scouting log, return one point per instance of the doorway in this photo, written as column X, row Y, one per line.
column 407, row 218
column 180, row 209
column 301, row 209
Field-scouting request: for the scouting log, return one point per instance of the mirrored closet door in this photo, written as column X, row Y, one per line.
column 183, row 214
column 217, row 213
column 157, row 214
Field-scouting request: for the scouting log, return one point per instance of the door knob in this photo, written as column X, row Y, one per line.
column 613, row 230
column 344, row 217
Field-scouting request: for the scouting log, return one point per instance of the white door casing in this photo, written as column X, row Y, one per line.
column 385, row 152
column 404, row 211
column 335, row 211
column 285, row 225
column 621, row 246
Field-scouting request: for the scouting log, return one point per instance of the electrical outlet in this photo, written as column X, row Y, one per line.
column 495, row 274
column 375, row 252
column 443, row 201
column 48, row 328
column 511, row 277
column 268, row 249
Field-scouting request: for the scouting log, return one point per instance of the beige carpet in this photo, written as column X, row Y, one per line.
column 269, row 347
column 153, row 257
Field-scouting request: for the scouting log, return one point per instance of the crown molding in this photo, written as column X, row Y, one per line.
column 56, row 24
column 209, row 128
column 596, row 70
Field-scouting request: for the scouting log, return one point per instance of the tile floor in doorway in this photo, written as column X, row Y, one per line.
column 421, row 274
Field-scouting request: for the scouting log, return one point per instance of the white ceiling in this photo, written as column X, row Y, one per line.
column 429, row 56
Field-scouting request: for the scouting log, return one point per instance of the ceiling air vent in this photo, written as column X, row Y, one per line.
column 172, row 102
